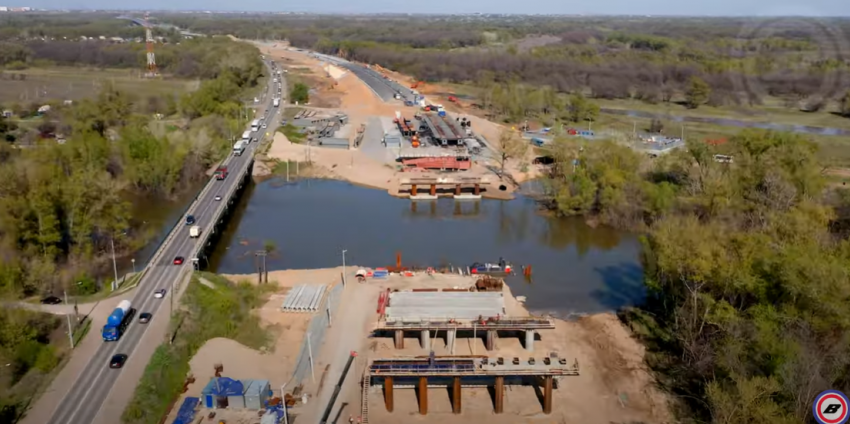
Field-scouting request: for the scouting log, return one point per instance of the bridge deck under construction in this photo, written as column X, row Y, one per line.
column 504, row 324
column 457, row 372
column 488, row 329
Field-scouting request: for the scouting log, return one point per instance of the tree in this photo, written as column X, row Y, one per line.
column 580, row 109
column 697, row 93
column 845, row 104
column 300, row 93
column 509, row 146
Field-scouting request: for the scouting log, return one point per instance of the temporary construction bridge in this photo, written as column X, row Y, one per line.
column 456, row 372
column 456, row 183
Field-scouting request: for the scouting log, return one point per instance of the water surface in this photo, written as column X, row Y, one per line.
column 576, row 268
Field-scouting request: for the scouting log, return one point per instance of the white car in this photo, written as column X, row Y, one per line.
column 217, row 197
column 265, row 125
column 159, row 294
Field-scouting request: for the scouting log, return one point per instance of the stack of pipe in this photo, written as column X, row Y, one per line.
column 304, row 298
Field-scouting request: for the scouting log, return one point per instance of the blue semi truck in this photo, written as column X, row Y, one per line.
column 117, row 321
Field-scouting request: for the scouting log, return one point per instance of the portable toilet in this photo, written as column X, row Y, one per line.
column 256, row 393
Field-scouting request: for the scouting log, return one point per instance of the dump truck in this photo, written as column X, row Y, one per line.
column 221, row 173
column 195, row 231
column 117, row 321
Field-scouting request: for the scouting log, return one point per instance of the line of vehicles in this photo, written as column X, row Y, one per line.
column 122, row 316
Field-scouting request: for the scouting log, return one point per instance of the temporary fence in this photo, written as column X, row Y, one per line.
column 316, row 335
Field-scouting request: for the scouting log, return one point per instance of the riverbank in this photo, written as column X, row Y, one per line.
column 613, row 385
column 357, row 167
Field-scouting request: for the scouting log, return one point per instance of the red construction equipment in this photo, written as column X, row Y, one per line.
column 453, row 99
column 416, row 84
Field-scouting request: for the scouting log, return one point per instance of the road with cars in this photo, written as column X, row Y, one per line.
column 82, row 403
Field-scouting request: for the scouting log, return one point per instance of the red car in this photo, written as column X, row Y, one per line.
column 178, row 260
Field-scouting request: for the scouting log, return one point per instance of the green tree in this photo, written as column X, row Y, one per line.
column 581, row 109
column 697, row 92
column 300, row 94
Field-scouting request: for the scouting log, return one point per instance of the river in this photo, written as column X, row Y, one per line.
column 576, row 268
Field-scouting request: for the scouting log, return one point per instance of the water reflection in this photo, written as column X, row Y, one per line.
column 576, row 268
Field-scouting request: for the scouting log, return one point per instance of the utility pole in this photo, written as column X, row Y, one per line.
column 70, row 330
column 114, row 264
column 134, row 264
column 261, row 265
column 343, row 266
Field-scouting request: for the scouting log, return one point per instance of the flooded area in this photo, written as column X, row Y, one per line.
column 576, row 268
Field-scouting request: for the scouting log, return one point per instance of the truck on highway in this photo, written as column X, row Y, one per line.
column 246, row 135
column 255, row 125
column 195, row 231
column 239, row 147
column 221, row 173
column 276, row 102
column 118, row 321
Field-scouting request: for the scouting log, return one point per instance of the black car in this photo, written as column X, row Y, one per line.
column 51, row 300
column 190, row 220
column 118, row 360
column 145, row 317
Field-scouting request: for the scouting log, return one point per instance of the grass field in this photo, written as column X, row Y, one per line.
column 69, row 83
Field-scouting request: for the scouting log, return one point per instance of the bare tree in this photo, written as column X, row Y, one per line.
column 509, row 146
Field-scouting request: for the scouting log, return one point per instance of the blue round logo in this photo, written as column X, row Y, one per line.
column 831, row 407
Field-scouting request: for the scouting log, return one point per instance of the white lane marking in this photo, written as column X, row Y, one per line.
column 122, row 342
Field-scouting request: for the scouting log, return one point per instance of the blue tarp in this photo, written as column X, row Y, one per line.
column 186, row 414
column 223, row 386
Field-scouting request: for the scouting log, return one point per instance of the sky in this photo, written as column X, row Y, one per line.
column 831, row 8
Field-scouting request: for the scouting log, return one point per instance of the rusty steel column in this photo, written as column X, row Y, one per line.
column 398, row 338
column 547, row 394
column 490, row 343
column 457, row 190
column 423, row 395
column 388, row 393
column 433, row 189
column 456, row 388
column 413, row 190
column 500, row 394
column 477, row 189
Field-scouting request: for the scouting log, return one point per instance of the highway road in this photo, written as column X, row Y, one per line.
column 82, row 403
column 385, row 89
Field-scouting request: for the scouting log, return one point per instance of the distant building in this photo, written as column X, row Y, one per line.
column 4, row 9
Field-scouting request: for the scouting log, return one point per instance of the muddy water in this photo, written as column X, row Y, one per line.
column 576, row 269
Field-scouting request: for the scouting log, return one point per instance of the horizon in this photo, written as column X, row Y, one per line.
column 605, row 8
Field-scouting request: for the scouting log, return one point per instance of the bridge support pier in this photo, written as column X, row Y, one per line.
column 477, row 189
column 547, row 394
column 423, row 395
column 388, row 393
column 529, row 340
column 456, row 395
column 426, row 339
column 413, row 190
column 451, row 335
column 490, row 342
column 398, row 339
column 499, row 395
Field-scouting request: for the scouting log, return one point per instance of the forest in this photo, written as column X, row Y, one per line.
column 743, row 61
column 62, row 204
column 746, row 265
